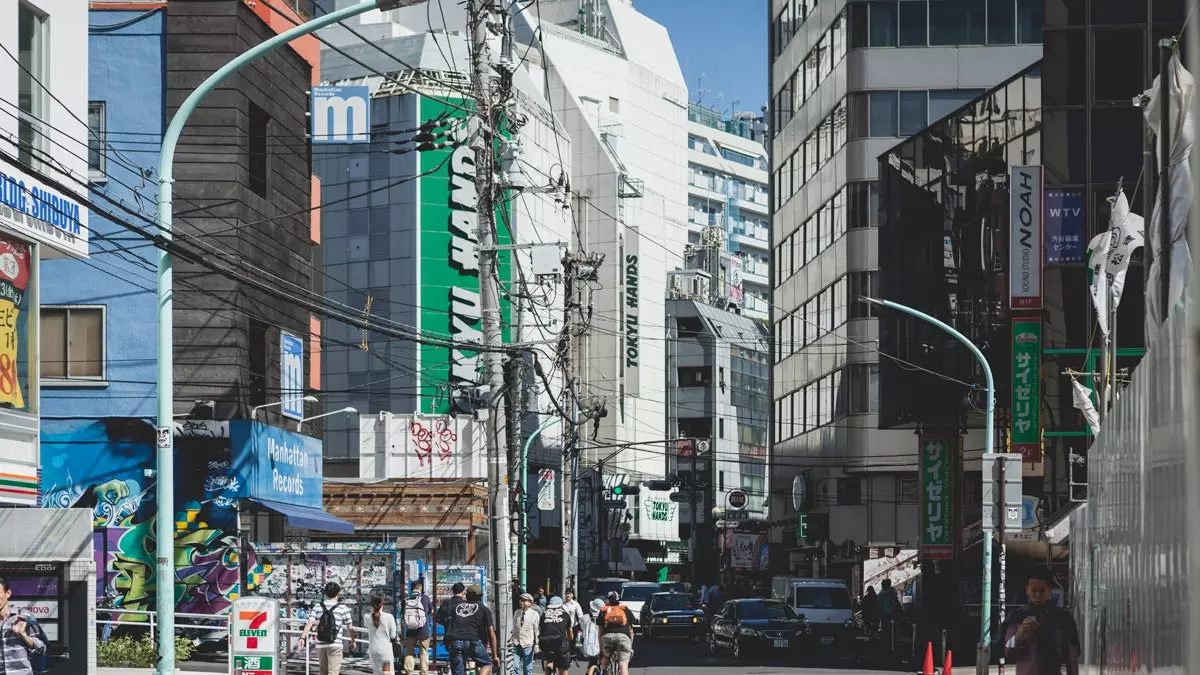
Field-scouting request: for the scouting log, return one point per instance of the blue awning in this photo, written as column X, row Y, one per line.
column 307, row 517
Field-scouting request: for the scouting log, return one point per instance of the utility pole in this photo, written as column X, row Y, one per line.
column 483, row 143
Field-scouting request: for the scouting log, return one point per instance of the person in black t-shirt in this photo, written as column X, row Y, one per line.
column 556, row 637
column 470, row 631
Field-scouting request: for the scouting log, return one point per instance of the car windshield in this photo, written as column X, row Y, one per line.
column 603, row 588
column 765, row 610
column 638, row 593
column 670, row 603
column 822, row 597
column 672, row 587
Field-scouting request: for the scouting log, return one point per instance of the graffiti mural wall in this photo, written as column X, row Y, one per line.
column 101, row 465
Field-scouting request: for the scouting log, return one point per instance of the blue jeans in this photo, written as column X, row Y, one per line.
column 462, row 651
column 522, row 660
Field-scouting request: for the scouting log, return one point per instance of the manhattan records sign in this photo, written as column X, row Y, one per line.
column 937, row 497
column 30, row 209
column 1025, row 239
column 341, row 114
column 291, row 375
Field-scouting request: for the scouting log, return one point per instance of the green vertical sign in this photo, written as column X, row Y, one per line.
column 448, row 260
column 937, row 498
column 1026, row 431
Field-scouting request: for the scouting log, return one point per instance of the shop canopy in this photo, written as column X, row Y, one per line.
column 307, row 517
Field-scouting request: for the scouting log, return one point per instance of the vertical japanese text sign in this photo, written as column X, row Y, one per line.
column 1026, row 433
column 937, row 497
column 1025, row 238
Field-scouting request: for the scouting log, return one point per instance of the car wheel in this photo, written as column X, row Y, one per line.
column 737, row 649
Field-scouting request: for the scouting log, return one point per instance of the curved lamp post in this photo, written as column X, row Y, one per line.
column 985, row 635
column 255, row 409
column 522, row 545
column 348, row 410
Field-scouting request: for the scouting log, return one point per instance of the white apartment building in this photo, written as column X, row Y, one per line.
column 849, row 80
column 727, row 193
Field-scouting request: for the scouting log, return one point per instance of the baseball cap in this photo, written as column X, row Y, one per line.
column 526, row 596
column 556, row 602
column 613, row 597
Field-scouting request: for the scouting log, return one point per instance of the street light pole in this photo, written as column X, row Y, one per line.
column 165, row 471
column 985, row 635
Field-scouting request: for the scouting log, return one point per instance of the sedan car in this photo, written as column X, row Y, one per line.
column 671, row 614
column 759, row 627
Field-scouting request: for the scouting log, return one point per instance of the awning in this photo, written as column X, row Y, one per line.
column 307, row 517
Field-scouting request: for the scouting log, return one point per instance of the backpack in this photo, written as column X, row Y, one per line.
column 328, row 626
column 591, row 640
column 415, row 617
column 614, row 616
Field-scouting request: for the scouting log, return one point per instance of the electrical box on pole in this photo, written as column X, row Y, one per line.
column 1002, row 500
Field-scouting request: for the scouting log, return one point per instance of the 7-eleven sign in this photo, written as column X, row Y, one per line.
column 254, row 628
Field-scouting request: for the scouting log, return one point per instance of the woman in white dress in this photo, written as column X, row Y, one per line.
column 381, row 633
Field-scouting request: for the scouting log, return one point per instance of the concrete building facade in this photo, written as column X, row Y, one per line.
column 848, row 80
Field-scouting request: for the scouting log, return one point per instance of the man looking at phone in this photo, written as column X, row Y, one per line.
column 20, row 641
column 1041, row 639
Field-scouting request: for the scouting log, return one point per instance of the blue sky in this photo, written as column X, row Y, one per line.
column 723, row 40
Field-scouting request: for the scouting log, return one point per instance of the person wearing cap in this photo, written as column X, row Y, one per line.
column 524, row 635
column 470, row 632
column 557, row 632
column 616, row 629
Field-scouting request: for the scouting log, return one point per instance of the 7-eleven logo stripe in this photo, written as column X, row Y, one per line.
column 254, row 631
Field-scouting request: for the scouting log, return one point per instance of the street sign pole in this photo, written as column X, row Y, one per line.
column 1002, row 511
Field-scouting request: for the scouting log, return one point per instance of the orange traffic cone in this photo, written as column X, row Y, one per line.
column 947, row 669
column 928, row 669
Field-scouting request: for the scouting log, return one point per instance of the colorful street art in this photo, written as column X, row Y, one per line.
column 102, row 465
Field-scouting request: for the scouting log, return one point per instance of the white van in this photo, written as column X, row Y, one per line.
column 825, row 604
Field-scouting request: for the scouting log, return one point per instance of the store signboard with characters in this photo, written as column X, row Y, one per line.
column 18, row 461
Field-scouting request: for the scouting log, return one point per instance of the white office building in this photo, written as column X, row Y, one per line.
column 849, row 80
column 727, row 203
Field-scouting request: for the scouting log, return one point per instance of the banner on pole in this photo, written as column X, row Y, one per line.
column 1026, row 431
column 937, row 498
column 546, row 501
column 1025, row 238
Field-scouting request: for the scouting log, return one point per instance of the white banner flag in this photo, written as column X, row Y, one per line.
column 1098, row 261
column 1126, row 232
column 1082, row 398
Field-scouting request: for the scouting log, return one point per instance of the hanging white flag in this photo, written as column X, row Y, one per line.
column 1126, row 232
column 1082, row 398
column 1181, row 89
column 1098, row 261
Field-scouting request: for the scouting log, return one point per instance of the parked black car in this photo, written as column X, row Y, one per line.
column 766, row 628
column 667, row 614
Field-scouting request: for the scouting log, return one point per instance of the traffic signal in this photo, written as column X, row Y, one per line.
column 626, row 490
column 802, row 528
column 660, row 485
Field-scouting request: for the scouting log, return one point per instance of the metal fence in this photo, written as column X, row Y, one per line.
column 1129, row 543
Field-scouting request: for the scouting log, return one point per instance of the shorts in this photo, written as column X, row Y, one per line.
column 617, row 647
column 559, row 656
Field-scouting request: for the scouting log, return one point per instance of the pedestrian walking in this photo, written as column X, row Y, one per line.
column 524, row 638
column 470, row 630
column 418, row 608
column 1041, row 639
column 381, row 635
column 328, row 618
column 574, row 609
column 556, row 635
column 22, row 641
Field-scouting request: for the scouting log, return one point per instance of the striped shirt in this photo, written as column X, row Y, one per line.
column 340, row 612
column 15, row 659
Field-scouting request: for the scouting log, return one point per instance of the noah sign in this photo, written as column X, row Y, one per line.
column 1025, row 238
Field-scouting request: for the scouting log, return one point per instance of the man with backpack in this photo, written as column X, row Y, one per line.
column 415, row 618
column 616, row 627
column 329, row 617
column 22, row 642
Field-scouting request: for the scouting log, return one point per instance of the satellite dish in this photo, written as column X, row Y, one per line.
column 800, row 492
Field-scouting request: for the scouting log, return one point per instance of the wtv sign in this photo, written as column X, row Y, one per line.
column 341, row 114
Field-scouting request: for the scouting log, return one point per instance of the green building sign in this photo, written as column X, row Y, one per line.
column 448, row 262
column 1026, row 432
column 937, row 498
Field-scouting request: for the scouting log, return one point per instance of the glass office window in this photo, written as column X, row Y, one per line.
column 859, row 19
column 942, row 102
column 914, row 111
column 1117, row 69
column 1001, row 22
column 957, row 22
column 883, row 23
column 1030, row 19
column 839, row 214
column 913, row 23
column 1117, row 12
column 839, row 126
column 883, row 113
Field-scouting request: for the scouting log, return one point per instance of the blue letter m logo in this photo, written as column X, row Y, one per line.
column 341, row 114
